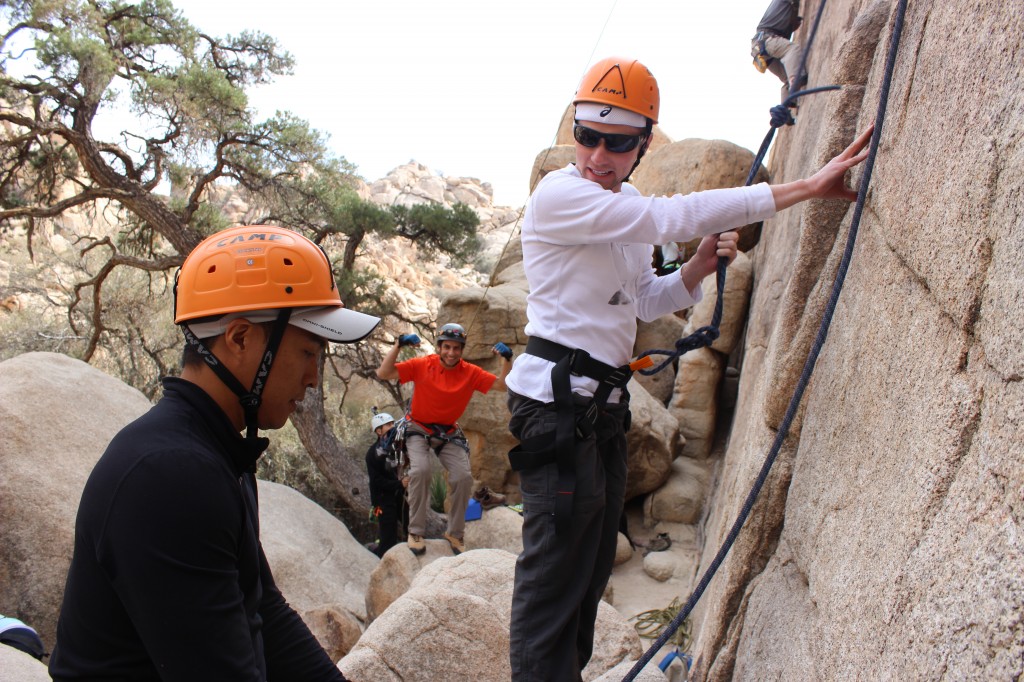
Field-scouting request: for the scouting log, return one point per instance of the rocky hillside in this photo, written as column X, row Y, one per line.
column 418, row 283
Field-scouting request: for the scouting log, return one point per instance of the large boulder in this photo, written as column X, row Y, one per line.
column 498, row 528
column 455, row 617
column 652, row 442
column 321, row 569
column 314, row 557
column 17, row 666
column 393, row 575
column 739, row 280
column 57, row 415
column 694, row 402
column 681, row 499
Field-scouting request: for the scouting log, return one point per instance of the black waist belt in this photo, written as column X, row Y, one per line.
column 580, row 362
column 573, row 362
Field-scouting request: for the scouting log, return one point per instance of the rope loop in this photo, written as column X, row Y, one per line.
column 702, row 338
column 781, row 116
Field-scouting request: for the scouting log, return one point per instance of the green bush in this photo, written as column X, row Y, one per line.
column 438, row 491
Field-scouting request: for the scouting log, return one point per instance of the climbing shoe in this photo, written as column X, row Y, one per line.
column 458, row 546
column 416, row 544
column 488, row 499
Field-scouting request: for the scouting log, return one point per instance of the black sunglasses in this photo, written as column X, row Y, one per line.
column 618, row 144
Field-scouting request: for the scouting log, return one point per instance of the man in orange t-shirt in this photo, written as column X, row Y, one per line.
column 444, row 384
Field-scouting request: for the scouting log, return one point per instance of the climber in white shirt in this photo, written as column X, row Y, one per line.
column 587, row 251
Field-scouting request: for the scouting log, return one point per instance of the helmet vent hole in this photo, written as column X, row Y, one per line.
column 211, row 270
column 288, row 261
column 288, row 290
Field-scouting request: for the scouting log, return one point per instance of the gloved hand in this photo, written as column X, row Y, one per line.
column 503, row 350
column 408, row 340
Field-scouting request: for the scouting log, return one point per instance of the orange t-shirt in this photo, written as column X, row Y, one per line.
column 441, row 394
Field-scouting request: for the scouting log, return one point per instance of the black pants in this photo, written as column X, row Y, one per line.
column 559, row 580
column 392, row 511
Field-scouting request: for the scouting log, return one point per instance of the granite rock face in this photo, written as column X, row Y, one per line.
column 887, row 542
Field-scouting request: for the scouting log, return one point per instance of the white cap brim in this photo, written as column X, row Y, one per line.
column 333, row 323
column 605, row 113
column 340, row 325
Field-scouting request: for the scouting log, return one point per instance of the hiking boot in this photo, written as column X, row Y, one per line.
column 488, row 499
column 416, row 544
column 458, row 546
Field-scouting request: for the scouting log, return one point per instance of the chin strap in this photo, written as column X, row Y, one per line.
column 250, row 399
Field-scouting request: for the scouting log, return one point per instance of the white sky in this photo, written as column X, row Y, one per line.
column 478, row 88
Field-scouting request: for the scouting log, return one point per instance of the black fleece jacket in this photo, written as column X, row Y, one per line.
column 781, row 18
column 168, row 580
column 385, row 488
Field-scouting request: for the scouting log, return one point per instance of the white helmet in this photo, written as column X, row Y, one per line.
column 380, row 419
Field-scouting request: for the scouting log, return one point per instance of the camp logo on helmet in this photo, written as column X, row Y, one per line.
column 262, row 236
column 612, row 88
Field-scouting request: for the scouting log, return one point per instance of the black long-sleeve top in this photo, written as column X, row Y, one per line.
column 168, row 580
column 385, row 488
column 781, row 18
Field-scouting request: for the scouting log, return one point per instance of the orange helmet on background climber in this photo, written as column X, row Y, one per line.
column 623, row 83
column 253, row 271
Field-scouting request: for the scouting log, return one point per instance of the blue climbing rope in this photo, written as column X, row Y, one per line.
column 812, row 356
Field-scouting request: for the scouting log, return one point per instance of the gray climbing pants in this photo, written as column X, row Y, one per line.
column 559, row 579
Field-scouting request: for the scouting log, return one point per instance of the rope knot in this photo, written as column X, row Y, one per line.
column 781, row 116
column 701, row 338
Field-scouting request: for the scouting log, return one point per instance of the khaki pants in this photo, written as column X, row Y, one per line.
column 420, row 448
column 785, row 62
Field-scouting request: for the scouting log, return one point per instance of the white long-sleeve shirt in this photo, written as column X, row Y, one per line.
column 587, row 253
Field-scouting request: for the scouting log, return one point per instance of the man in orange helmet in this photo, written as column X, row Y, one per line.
column 168, row 579
column 586, row 236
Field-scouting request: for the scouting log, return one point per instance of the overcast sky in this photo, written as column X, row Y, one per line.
column 478, row 88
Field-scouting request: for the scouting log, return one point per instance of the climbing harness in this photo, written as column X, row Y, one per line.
column 446, row 433
column 761, row 57
column 559, row 447
column 812, row 356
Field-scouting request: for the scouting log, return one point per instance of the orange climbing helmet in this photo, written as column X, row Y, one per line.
column 623, row 83
column 253, row 271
